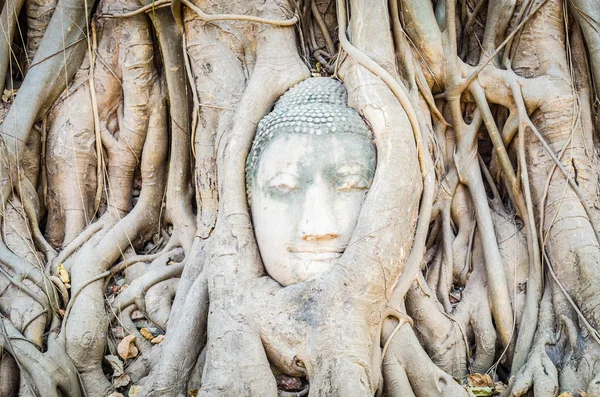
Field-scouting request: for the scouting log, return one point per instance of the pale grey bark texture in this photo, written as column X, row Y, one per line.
column 128, row 259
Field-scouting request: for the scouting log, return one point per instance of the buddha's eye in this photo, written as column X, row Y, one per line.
column 283, row 184
column 351, row 183
column 283, row 189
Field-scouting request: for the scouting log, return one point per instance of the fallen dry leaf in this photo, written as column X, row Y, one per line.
column 8, row 94
column 146, row 333
column 63, row 274
column 127, row 348
column 116, row 365
column 115, row 394
column 158, row 339
column 480, row 380
column 582, row 393
column 566, row 394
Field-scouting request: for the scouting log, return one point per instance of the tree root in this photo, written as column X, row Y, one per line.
column 539, row 373
column 407, row 361
column 51, row 371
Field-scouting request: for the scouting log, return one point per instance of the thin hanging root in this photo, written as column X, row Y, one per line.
column 196, row 100
column 64, row 294
column 426, row 92
column 542, row 205
column 473, row 16
column 416, row 254
column 141, row 284
column 92, row 51
column 322, row 27
column 467, row 82
column 525, row 210
column 22, row 287
column 447, row 265
column 570, row 180
column 178, row 195
column 8, row 21
column 593, row 332
column 399, row 36
column 167, row 250
column 74, row 298
column 26, row 194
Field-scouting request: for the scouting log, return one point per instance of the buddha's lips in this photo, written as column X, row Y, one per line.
column 313, row 256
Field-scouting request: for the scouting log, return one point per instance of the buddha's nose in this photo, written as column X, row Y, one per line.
column 318, row 222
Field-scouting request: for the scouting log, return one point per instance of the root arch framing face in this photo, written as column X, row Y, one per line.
column 299, row 197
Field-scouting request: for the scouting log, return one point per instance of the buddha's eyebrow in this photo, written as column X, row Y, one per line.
column 352, row 168
column 282, row 172
column 286, row 166
column 283, row 168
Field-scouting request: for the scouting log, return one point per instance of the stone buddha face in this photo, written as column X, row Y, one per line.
column 308, row 173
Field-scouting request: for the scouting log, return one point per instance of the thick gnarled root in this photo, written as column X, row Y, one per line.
column 408, row 369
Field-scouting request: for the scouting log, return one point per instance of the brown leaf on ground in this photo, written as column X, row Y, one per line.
column 63, row 274
column 127, row 348
column 146, row 333
column 566, row 394
column 480, row 380
column 115, row 394
column 134, row 391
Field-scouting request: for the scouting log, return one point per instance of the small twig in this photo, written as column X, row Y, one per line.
column 141, row 258
column 231, row 17
column 322, row 27
column 196, row 100
column 22, row 287
column 28, row 323
column 146, row 8
column 589, row 327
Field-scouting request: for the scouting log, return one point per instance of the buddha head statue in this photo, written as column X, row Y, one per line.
column 307, row 175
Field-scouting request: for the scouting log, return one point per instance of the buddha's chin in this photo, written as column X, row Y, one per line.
column 302, row 269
